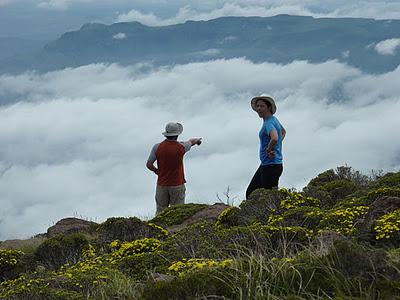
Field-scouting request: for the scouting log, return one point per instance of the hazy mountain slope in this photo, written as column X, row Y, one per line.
column 279, row 39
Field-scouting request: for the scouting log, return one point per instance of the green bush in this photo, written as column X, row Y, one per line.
column 205, row 283
column 339, row 189
column 11, row 263
column 117, row 286
column 238, row 240
column 138, row 266
column 37, row 287
column 388, row 180
column 48, row 294
column 62, row 249
column 323, row 178
column 303, row 216
column 381, row 192
column 197, row 240
column 176, row 214
column 332, row 192
column 228, row 218
column 332, row 186
column 355, row 260
column 260, row 205
column 125, row 229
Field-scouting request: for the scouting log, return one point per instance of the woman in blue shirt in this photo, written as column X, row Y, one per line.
column 271, row 136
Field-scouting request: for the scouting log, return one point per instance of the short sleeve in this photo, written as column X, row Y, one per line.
column 152, row 157
column 269, row 127
column 187, row 145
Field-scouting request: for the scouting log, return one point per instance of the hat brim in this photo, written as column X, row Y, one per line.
column 264, row 98
column 171, row 133
column 175, row 133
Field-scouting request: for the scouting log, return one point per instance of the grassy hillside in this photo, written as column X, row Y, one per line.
column 337, row 239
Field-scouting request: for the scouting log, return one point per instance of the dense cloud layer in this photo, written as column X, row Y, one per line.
column 77, row 141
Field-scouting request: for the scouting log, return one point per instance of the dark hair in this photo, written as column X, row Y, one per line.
column 174, row 137
column 269, row 105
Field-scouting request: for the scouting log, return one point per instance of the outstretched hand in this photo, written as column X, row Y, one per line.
column 195, row 141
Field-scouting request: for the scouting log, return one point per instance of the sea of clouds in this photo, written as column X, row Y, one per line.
column 75, row 142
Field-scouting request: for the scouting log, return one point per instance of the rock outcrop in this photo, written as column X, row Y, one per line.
column 69, row 225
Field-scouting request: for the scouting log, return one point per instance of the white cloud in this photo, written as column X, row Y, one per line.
column 210, row 52
column 387, row 47
column 147, row 19
column 119, row 36
column 59, row 4
column 265, row 8
column 229, row 9
column 78, row 141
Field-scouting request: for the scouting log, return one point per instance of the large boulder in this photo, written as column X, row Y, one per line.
column 69, row 225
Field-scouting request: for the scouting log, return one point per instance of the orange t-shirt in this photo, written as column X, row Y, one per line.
column 169, row 155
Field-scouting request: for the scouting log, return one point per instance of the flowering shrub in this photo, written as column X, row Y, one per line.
column 21, row 285
column 161, row 231
column 9, row 260
column 294, row 200
column 341, row 220
column 228, row 217
column 176, row 214
column 78, row 277
column 83, row 275
column 124, row 229
column 350, row 202
column 259, row 206
column 388, row 226
column 275, row 219
column 183, row 266
column 59, row 250
column 124, row 249
column 384, row 191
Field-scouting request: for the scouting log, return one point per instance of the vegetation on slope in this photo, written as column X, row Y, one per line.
column 337, row 239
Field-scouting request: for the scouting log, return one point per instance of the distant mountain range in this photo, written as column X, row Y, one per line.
column 279, row 39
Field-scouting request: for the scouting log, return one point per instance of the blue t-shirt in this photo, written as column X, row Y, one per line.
column 270, row 124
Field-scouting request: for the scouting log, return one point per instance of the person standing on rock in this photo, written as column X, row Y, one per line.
column 169, row 154
column 271, row 136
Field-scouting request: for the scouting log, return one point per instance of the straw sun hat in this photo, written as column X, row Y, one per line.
column 266, row 99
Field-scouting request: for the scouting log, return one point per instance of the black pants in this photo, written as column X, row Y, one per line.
column 266, row 177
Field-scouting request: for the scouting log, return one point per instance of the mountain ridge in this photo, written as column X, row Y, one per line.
column 277, row 39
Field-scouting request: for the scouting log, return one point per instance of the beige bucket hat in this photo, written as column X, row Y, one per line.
column 173, row 129
column 265, row 98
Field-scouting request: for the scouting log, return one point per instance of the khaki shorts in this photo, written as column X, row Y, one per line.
column 169, row 195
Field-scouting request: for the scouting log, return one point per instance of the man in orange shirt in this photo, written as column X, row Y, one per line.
column 169, row 156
